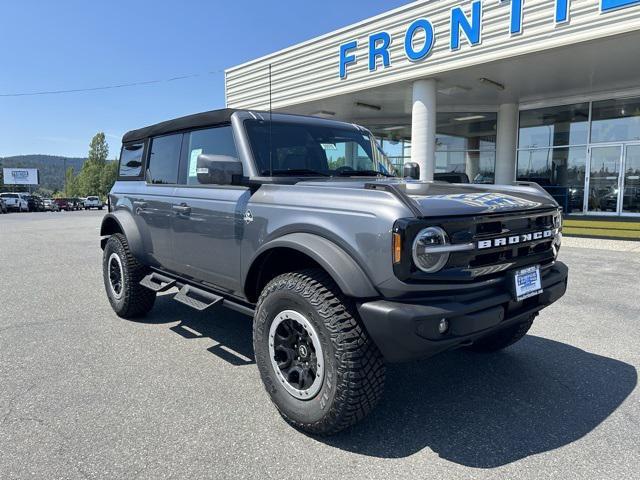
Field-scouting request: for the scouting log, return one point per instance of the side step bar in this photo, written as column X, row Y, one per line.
column 192, row 296
column 158, row 283
column 197, row 298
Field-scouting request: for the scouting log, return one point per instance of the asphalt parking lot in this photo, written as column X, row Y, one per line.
column 84, row 394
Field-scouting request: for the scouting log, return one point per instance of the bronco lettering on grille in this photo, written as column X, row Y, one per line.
column 515, row 239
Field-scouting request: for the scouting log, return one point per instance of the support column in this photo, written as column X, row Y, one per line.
column 423, row 127
column 506, row 143
column 472, row 158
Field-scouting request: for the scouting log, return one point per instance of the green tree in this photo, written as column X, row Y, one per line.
column 89, row 178
column 98, row 149
column 108, row 177
column 70, row 183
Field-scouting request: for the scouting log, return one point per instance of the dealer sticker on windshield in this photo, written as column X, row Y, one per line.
column 527, row 283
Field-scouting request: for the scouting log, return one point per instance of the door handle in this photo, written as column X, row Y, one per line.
column 182, row 209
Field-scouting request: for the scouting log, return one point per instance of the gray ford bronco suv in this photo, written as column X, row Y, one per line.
column 301, row 223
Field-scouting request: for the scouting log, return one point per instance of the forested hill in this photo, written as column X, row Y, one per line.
column 51, row 167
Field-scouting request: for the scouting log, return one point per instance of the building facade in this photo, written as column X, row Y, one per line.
column 540, row 90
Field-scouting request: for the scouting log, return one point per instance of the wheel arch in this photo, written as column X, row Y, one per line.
column 122, row 222
column 305, row 250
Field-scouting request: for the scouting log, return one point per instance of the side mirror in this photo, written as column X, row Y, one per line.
column 218, row 170
column 412, row 170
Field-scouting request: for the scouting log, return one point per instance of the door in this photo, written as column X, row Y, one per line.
column 631, row 180
column 153, row 208
column 604, row 179
column 208, row 221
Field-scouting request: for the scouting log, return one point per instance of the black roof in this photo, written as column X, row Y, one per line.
column 204, row 119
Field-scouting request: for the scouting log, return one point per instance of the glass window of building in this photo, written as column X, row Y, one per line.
column 561, row 171
column 466, row 143
column 554, row 126
column 394, row 149
column 631, row 192
column 616, row 120
column 552, row 151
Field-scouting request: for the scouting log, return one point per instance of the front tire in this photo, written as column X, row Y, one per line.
column 503, row 338
column 122, row 274
column 317, row 362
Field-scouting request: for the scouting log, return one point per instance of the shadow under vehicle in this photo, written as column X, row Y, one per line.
column 480, row 411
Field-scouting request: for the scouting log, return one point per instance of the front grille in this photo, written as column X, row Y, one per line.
column 490, row 228
column 492, row 254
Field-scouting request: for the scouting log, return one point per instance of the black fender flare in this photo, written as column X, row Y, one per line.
column 121, row 221
column 341, row 266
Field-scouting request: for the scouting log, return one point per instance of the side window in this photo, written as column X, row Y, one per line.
column 164, row 159
column 212, row 141
column 131, row 160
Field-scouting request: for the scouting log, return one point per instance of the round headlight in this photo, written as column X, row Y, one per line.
column 557, row 220
column 425, row 246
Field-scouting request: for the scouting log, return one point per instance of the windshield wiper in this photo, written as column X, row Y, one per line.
column 295, row 171
column 362, row 173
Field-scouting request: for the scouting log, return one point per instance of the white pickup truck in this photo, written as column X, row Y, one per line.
column 16, row 201
column 93, row 202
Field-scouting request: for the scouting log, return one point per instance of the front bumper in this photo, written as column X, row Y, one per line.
column 406, row 330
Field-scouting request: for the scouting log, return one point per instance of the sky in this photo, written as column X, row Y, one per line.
column 61, row 45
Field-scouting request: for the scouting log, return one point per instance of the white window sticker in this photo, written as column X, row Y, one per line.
column 329, row 146
column 193, row 162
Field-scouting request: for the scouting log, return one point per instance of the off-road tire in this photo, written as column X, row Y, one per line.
column 135, row 300
column 503, row 338
column 354, row 368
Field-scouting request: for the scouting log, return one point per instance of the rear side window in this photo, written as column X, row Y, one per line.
column 131, row 160
column 164, row 159
column 211, row 141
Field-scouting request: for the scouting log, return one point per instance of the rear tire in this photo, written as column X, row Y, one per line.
column 503, row 338
column 122, row 274
column 322, row 342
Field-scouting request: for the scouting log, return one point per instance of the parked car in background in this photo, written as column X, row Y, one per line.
column 3, row 206
column 77, row 203
column 73, row 205
column 34, row 203
column 93, row 202
column 50, row 205
column 63, row 204
column 15, row 201
column 39, row 203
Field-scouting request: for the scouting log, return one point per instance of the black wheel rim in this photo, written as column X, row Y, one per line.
column 116, row 275
column 296, row 354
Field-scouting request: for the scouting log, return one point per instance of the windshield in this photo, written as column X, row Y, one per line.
column 9, row 195
column 315, row 150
